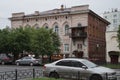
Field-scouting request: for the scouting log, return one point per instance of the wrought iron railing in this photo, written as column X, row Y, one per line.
column 118, row 76
column 21, row 74
column 78, row 35
column 28, row 74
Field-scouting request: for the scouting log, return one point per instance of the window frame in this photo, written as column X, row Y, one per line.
column 66, row 29
column 64, row 63
column 56, row 29
column 66, row 48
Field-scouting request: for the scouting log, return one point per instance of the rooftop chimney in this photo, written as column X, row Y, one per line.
column 36, row 13
column 62, row 7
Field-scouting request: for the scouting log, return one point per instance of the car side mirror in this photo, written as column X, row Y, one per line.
column 84, row 67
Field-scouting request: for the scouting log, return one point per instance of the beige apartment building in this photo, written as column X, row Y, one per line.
column 81, row 31
column 113, row 51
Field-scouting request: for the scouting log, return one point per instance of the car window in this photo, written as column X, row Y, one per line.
column 26, row 58
column 64, row 63
column 89, row 64
column 77, row 64
column 3, row 56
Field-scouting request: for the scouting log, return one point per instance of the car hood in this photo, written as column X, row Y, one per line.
column 101, row 69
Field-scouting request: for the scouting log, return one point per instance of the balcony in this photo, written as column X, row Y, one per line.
column 78, row 35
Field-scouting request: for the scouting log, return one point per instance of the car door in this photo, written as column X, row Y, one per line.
column 24, row 60
column 28, row 60
column 64, row 68
column 78, row 71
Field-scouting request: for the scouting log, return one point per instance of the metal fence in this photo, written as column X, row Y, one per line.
column 21, row 74
column 118, row 76
column 79, row 76
column 27, row 74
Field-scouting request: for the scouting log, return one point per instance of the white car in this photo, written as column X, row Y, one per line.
column 74, row 68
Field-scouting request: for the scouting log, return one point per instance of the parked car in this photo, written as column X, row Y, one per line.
column 72, row 68
column 28, row 61
column 5, row 58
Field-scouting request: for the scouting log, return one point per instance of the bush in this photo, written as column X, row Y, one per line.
column 113, row 66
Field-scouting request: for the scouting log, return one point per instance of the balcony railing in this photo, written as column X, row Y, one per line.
column 78, row 35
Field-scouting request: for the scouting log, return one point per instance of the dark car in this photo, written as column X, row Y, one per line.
column 5, row 58
column 28, row 61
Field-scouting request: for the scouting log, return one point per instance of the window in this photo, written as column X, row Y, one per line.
column 114, row 21
column 66, row 47
column 70, row 63
column 105, row 17
column 46, row 19
column 79, row 46
column 27, row 58
column 79, row 25
column 27, row 20
column 66, row 17
column 66, row 29
column 55, row 18
column 114, row 15
column 36, row 26
column 77, row 64
column 64, row 63
column 46, row 27
column 36, row 19
column 27, row 26
column 56, row 29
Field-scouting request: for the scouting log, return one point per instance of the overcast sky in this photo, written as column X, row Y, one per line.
column 7, row 7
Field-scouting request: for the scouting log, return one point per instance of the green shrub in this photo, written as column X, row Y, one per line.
column 113, row 66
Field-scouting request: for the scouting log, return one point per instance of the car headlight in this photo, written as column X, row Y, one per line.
column 36, row 61
column 111, row 75
column 114, row 73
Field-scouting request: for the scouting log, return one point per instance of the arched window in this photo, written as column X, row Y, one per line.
column 66, row 29
column 79, row 25
column 36, row 26
column 27, row 26
column 56, row 29
column 46, row 27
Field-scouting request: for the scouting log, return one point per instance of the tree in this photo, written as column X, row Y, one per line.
column 118, row 35
column 19, row 41
column 45, row 42
column 40, row 41
column 55, row 41
column 4, row 41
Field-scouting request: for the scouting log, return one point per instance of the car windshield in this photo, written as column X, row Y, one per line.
column 89, row 64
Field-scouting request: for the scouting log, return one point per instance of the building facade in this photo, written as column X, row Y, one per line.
column 114, row 18
column 112, row 46
column 81, row 31
column 111, row 35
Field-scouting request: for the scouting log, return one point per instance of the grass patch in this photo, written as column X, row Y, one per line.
column 47, row 79
column 113, row 66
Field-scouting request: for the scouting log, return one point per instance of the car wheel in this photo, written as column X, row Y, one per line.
column 96, row 77
column 31, row 64
column 17, row 63
column 54, row 75
column 2, row 62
